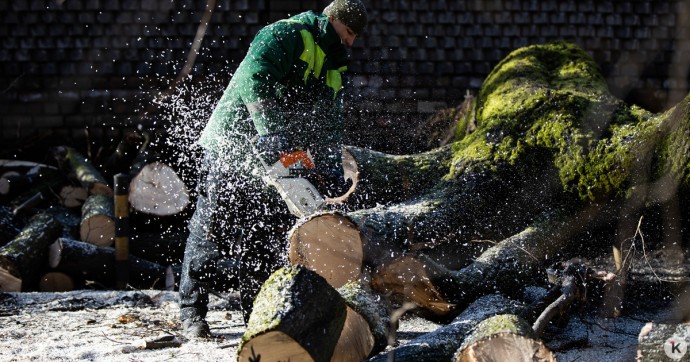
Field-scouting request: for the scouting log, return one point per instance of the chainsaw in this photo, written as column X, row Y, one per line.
column 287, row 175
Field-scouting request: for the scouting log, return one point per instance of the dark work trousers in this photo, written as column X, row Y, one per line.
column 236, row 216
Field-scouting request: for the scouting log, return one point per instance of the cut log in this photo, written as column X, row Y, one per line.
column 441, row 344
column 29, row 204
column 73, row 196
column 20, row 166
column 20, row 189
column 98, row 221
column 663, row 341
column 409, row 279
column 14, row 182
column 329, row 244
column 82, row 170
column 297, row 316
column 23, row 258
column 56, row 282
column 367, row 324
column 504, row 337
column 91, row 262
column 157, row 189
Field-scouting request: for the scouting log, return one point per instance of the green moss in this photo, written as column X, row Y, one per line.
column 271, row 301
column 674, row 153
column 550, row 102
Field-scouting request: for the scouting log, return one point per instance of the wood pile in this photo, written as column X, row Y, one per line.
column 60, row 228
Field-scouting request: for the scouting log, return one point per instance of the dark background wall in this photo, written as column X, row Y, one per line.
column 75, row 70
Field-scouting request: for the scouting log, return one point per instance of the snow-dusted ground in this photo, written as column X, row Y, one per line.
column 111, row 326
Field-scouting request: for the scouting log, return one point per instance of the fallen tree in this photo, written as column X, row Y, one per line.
column 556, row 167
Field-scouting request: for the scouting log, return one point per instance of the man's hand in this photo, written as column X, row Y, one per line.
column 270, row 146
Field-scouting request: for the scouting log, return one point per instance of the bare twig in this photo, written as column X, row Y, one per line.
column 112, row 340
column 572, row 283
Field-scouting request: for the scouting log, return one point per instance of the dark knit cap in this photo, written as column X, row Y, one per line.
column 351, row 12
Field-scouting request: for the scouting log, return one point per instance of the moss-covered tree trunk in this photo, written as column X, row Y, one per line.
column 555, row 165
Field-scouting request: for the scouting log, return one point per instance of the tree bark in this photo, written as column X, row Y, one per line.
column 82, row 170
column 9, row 228
column 385, row 179
column 87, row 261
column 503, row 337
column 22, row 259
column 297, row 316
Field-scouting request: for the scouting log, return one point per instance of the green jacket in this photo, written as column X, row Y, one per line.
column 289, row 82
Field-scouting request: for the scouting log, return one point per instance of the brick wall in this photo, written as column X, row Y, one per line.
column 72, row 67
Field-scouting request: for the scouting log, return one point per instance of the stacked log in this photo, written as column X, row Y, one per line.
column 76, row 185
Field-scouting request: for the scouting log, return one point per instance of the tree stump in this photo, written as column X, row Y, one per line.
column 22, row 259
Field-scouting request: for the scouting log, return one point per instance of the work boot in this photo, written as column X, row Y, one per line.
column 196, row 329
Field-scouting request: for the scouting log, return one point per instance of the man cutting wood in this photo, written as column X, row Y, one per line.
column 286, row 95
